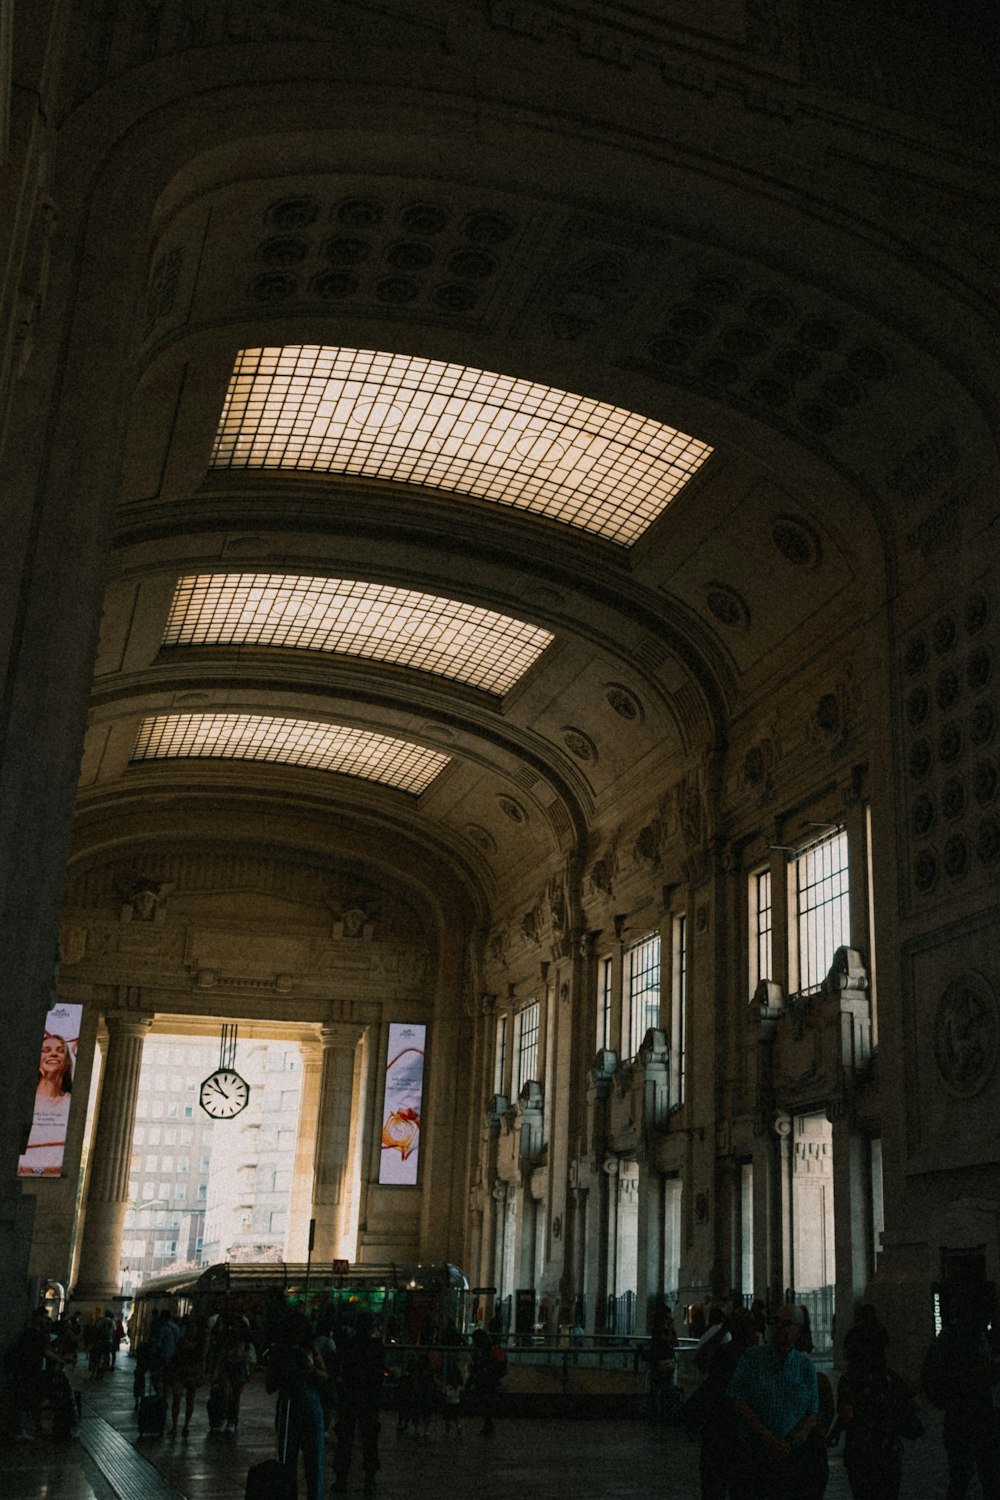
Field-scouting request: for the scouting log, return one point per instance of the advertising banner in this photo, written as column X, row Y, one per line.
column 53, row 1093
column 404, row 1087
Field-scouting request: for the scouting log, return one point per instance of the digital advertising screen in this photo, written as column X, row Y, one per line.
column 404, row 1088
column 43, row 1156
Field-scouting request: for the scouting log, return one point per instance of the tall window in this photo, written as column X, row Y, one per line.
column 678, row 1010
column 822, row 917
column 526, row 1025
column 500, row 1056
column 604, row 1004
column 642, row 969
column 761, row 964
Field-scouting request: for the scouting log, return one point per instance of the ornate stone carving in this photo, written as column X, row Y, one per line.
column 690, row 812
column 512, row 810
column 483, row 840
column 354, row 923
column 758, row 764
column 625, row 704
column 499, row 946
column 604, row 870
column 967, row 1035
column 768, row 1006
column 926, row 466
column 555, row 896
column 727, row 606
column 847, row 973
column 161, row 294
column 579, row 744
column 530, row 926
column 72, row 943
column 146, row 901
column 797, row 541
column 647, row 846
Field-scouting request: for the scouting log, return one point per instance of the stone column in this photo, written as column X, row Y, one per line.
column 107, row 1199
column 300, row 1201
column 854, row 1250
column 333, row 1137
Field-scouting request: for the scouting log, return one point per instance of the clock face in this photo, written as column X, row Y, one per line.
column 223, row 1094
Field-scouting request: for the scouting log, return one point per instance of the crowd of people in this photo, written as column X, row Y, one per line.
column 43, row 1367
column 766, row 1416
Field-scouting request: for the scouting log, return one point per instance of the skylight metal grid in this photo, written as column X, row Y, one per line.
column 420, row 421
column 296, row 742
column 453, row 639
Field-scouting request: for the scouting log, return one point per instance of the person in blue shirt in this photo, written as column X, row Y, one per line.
column 776, row 1399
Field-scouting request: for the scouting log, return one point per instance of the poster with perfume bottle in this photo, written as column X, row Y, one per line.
column 43, row 1155
column 404, row 1087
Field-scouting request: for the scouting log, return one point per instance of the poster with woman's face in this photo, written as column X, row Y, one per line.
column 43, row 1156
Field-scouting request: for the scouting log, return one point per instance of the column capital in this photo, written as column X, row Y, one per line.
column 126, row 1023
column 340, row 1034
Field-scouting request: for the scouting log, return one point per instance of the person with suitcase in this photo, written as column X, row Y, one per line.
column 152, row 1416
column 295, row 1374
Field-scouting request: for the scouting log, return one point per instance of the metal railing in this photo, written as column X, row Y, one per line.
column 620, row 1315
column 821, row 1306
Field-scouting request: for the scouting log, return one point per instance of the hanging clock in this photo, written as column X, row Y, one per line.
column 224, row 1093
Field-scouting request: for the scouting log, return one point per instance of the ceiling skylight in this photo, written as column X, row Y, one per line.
column 420, row 421
column 461, row 641
column 295, row 742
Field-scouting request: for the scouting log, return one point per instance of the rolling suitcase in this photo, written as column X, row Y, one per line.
column 216, row 1408
column 152, row 1416
column 272, row 1480
column 267, row 1481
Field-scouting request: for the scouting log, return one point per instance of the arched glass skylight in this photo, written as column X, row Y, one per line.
column 421, row 421
column 294, row 742
column 461, row 641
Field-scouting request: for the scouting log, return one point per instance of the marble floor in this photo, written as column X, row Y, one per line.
column 583, row 1458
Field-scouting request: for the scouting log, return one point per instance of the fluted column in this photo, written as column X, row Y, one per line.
column 333, row 1138
column 107, row 1199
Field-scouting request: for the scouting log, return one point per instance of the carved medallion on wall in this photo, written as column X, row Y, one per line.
column 579, row 744
column 481, row 838
column 967, row 1035
column 625, row 704
column 727, row 606
column 796, row 540
column 512, row 810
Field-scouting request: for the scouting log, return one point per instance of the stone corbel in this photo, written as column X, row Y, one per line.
column 767, row 1007
column 602, row 1073
column 496, row 1109
column 848, row 976
column 654, row 1060
column 846, row 986
column 530, row 1113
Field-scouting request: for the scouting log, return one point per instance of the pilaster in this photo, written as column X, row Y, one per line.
column 333, row 1139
